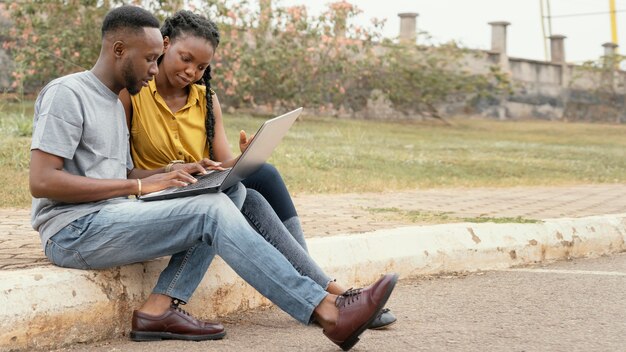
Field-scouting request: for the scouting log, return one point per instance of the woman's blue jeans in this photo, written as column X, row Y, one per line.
column 192, row 230
column 264, row 219
column 270, row 184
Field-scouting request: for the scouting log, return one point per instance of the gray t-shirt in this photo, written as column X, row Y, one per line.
column 82, row 121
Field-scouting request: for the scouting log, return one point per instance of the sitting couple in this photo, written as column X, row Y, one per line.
column 82, row 172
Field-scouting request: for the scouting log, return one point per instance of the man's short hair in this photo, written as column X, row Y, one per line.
column 128, row 17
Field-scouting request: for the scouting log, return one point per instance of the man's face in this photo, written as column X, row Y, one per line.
column 140, row 64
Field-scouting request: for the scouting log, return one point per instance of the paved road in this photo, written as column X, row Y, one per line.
column 324, row 215
column 568, row 306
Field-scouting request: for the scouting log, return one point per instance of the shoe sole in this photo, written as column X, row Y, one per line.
column 354, row 338
column 141, row 336
column 382, row 327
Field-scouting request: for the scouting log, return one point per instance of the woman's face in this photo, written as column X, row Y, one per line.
column 185, row 59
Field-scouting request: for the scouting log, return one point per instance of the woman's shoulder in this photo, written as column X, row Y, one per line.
column 200, row 92
column 200, row 88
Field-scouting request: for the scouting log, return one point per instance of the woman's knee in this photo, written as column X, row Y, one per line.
column 254, row 199
column 270, row 173
column 267, row 174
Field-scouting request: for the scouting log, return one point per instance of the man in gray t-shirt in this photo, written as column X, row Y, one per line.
column 77, row 118
column 81, row 176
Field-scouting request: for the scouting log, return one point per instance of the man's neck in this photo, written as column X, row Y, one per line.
column 104, row 73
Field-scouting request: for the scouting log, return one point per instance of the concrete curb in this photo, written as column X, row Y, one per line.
column 49, row 307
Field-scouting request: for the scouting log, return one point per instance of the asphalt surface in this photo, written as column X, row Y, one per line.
column 568, row 306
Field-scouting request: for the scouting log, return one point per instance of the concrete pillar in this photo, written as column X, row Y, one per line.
column 265, row 10
column 557, row 48
column 340, row 15
column 610, row 53
column 498, row 36
column 610, row 49
column 557, row 56
column 498, row 47
column 340, row 27
column 408, row 27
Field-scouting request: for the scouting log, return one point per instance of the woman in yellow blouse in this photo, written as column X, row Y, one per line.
column 175, row 122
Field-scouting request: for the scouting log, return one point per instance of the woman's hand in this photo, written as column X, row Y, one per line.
column 210, row 164
column 244, row 141
column 192, row 168
column 158, row 182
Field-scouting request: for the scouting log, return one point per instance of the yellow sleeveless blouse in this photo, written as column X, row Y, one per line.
column 159, row 136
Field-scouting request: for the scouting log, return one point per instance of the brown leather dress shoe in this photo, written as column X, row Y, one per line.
column 358, row 309
column 174, row 324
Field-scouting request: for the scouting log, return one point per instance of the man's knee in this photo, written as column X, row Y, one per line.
column 237, row 194
column 218, row 203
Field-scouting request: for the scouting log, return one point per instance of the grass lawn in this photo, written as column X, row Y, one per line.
column 325, row 155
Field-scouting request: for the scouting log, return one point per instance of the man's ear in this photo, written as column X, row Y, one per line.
column 119, row 48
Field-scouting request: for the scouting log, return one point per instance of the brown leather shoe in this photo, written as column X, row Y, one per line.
column 358, row 309
column 174, row 324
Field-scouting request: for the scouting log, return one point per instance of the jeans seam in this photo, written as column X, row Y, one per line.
column 73, row 251
column 258, row 226
column 268, row 239
column 170, row 287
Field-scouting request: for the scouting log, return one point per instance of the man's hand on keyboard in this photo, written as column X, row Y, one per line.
column 157, row 182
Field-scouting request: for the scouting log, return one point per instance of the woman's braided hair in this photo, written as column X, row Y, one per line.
column 188, row 23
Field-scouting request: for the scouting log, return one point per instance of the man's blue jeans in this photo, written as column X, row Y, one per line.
column 192, row 230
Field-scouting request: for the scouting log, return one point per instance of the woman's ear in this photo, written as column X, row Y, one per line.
column 166, row 43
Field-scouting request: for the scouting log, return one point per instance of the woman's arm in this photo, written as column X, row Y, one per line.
column 124, row 97
column 221, row 148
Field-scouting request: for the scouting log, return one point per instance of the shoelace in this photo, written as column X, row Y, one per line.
column 348, row 297
column 176, row 305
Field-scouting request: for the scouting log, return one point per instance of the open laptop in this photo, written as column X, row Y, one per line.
column 259, row 150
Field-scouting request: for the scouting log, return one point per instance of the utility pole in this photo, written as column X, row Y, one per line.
column 543, row 31
column 543, row 25
column 549, row 18
column 613, row 22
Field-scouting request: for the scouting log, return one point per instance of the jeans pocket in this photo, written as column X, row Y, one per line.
column 66, row 258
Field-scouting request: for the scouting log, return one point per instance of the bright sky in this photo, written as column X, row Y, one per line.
column 466, row 21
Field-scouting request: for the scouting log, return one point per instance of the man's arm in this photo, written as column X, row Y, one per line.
column 48, row 180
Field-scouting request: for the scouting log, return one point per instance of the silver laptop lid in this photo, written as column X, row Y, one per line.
column 263, row 144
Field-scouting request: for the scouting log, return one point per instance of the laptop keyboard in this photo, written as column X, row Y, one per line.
column 213, row 179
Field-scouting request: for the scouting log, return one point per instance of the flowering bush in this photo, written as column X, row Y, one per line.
column 277, row 59
column 50, row 38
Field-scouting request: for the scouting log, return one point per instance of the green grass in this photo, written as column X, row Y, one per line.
column 356, row 156
column 326, row 155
